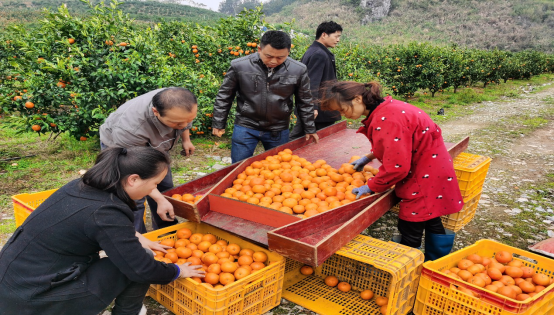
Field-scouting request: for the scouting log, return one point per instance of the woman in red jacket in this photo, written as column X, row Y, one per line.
column 414, row 158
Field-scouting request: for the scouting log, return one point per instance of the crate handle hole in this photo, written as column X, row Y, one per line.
column 526, row 259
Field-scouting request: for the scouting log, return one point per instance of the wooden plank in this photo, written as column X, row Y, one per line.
column 457, row 148
column 328, row 231
column 356, row 225
column 248, row 230
column 250, row 212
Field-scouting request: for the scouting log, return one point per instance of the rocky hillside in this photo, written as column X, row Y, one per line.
column 30, row 11
column 504, row 24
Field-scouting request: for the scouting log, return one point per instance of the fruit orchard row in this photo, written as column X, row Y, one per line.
column 69, row 74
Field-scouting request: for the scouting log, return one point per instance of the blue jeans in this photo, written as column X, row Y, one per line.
column 245, row 140
column 157, row 222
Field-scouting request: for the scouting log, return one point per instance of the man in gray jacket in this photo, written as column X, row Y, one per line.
column 264, row 84
column 156, row 119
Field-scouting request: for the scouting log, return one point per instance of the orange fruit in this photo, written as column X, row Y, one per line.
column 306, row 270
column 477, row 281
column 298, row 209
column 366, row 294
column 507, row 292
column 229, row 267
column 182, row 242
column 211, row 278
column 344, row 287
column 491, row 287
column 226, row 278
column 197, row 253
column 381, row 301
column 494, row 273
column 204, row 246
column 183, row 252
column 541, row 279
column 215, row 248
column 214, row 268
column 245, row 260
column 196, row 279
column 233, row 249
column 331, row 281
column 476, row 259
column 188, row 198
column 168, row 242
column 184, row 233
column 196, row 238
column 172, row 256
column 503, row 257
column 247, row 252
column 465, row 275
column 522, row 297
column 241, row 273
column 209, row 259
column 498, row 266
column 384, row 310
column 528, row 272
column 192, row 246
column 514, row 272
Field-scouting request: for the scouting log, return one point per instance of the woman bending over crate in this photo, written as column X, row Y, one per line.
column 414, row 158
column 52, row 265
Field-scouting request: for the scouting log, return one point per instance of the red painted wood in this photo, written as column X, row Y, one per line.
column 327, row 232
column 355, row 226
column 250, row 231
column 202, row 185
column 456, row 148
column 250, row 212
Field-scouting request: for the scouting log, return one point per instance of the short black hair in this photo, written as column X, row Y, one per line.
column 327, row 28
column 174, row 97
column 277, row 40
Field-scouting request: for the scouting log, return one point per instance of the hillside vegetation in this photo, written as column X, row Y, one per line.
column 29, row 12
column 512, row 25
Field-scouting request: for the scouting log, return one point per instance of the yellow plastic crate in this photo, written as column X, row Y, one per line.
column 24, row 204
column 456, row 221
column 438, row 294
column 255, row 294
column 471, row 171
column 387, row 268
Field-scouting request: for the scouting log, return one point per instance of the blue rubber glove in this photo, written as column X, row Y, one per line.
column 360, row 163
column 362, row 190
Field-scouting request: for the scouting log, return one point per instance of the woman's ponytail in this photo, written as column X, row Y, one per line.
column 338, row 92
column 114, row 165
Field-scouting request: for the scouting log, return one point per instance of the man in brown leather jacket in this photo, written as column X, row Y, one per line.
column 264, row 84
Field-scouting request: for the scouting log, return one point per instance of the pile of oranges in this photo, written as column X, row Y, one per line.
column 500, row 274
column 188, row 198
column 291, row 184
column 332, row 281
column 224, row 263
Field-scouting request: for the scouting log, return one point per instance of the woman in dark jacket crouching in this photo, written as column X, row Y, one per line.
column 51, row 264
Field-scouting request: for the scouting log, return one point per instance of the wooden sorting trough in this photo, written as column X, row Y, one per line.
column 311, row 240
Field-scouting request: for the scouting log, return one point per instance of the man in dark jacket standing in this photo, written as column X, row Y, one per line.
column 321, row 68
column 264, row 84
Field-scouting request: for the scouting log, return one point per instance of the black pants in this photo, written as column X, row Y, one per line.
column 298, row 129
column 412, row 232
column 89, row 294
